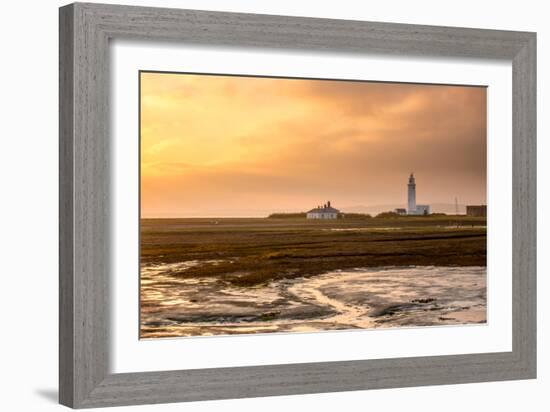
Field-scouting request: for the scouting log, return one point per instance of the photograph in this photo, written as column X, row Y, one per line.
column 288, row 205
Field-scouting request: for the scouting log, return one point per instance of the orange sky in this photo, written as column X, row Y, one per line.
column 244, row 146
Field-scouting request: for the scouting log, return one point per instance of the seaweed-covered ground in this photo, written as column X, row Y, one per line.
column 227, row 276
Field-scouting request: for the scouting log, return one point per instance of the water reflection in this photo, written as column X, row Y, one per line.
column 350, row 299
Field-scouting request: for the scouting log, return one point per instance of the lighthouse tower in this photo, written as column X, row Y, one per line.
column 411, row 210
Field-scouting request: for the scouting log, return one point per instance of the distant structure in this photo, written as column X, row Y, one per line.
column 422, row 210
column 411, row 210
column 323, row 212
column 476, row 210
column 412, row 207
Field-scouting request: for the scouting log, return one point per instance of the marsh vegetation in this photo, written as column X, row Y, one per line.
column 249, row 252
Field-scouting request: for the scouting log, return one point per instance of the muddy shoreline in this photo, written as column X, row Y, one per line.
column 362, row 298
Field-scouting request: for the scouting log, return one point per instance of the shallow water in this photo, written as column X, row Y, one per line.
column 351, row 299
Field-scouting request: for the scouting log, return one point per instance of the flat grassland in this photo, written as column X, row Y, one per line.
column 254, row 251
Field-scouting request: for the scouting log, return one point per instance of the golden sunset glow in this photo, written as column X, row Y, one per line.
column 248, row 146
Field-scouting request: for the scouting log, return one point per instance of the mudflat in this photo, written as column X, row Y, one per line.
column 214, row 276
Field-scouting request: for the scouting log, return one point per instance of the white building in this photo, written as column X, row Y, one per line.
column 423, row 210
column 412, row 207
column 323, row 212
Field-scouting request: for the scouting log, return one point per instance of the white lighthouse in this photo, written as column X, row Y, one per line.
column 411, row 209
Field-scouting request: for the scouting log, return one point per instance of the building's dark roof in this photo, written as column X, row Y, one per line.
column 324, row 210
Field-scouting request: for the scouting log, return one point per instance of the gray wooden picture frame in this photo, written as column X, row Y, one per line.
column 85, row 32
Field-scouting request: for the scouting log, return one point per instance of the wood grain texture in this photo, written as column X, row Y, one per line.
column 85, row 31
column 524, row 225
column 66, row 229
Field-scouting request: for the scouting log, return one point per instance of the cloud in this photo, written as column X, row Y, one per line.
column 275, row 142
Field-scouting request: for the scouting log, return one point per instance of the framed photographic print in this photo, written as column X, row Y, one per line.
column 257, row 205
column 232, row 240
